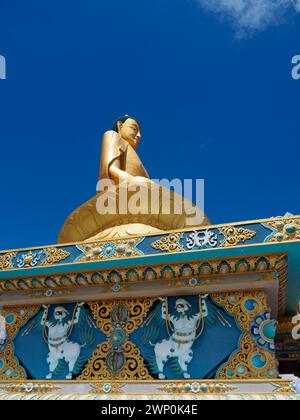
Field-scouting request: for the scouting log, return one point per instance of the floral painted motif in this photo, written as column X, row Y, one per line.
column 263, row 331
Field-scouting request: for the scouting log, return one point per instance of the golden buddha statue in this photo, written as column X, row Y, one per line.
column 128, row 203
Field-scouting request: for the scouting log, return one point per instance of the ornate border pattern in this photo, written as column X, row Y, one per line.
column 189, row 274
column 196, row 388
column 275, row 230
column 6, row 260
column 170, row 243
column 98, row 251
column 234, row 236
column 118, row 358
column 202, row 268
column 15, row 318
column 29, row 388
column 283, row 230
column 249, row 361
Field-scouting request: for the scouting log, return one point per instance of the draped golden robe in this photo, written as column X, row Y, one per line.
column 86, row 224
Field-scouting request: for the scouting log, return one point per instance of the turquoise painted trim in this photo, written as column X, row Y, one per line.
column 153, row 259
column 273, row 231
column 292, row 248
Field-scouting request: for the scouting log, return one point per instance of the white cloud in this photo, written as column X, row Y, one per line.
column 249, row 16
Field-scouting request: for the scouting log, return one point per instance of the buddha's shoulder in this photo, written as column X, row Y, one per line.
column 112, row 136
column 112, row 140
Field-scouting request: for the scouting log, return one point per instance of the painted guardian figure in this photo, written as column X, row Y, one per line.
column 57, row 331
column 60, row 347
column 179, row 344
column 185, row 325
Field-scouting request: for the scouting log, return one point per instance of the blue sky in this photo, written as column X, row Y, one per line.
column 212, row 89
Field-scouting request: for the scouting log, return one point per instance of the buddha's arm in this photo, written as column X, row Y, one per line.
column 111, row 158
column 117, row 174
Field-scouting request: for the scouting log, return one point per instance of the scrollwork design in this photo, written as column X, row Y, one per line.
column 6, row 260
column 55, row 255
column 30, row 388
column 248, row 362
column 170, row 243
column 235, row 305
column 101, row 312
column 119, row 277
column 133, row 368
column 117, row 320
column 98, row 251
column 15, row 317
column 283, row 230
column 233, row 235
column 196, row 388
column 138, row 309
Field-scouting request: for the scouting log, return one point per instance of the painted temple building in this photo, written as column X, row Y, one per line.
column 146, row 304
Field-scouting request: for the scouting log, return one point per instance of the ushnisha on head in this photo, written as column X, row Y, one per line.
column 129, row 129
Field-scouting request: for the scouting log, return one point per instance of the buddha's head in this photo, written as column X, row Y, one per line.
column 129, row 129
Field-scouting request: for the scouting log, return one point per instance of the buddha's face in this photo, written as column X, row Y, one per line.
column 130, row 131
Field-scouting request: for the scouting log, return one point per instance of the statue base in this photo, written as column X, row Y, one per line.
column 160, row 390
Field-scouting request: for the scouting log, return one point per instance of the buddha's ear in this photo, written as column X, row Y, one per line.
column 119, row 125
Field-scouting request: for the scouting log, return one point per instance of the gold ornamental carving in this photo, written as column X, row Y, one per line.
column 196, row 388
column 133, row 369
column 107, row 388
column 16, row 317
column 239, row 363
column 55, row 255
column 283, row 387
column 29, row 388
column 170, row 243
column 6, row 260
column 98, row 251
column 234, row 236
column 284, row 229
column 118, row 317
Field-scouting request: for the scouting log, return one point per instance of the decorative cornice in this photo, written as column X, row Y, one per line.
column 180, row 275
column 252, row 233
column 107, row 388
column 6, row 260
column 185, row 270
column 29, row 388
column 169, row 243
column 283, row 388
column 283, row 230
column 197, row 388
column 163, row 390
